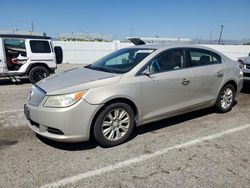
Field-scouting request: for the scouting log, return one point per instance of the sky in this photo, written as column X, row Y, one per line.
column 198, row 19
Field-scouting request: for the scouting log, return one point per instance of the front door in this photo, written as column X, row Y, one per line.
column 15, row 53
column 2, row 57
column 166, row 88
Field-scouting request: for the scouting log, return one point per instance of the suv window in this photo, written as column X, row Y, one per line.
column 200, row 57
column 167, row 61
column 39, row 46
column 14, row 47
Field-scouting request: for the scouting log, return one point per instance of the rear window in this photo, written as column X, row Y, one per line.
column 40, row 46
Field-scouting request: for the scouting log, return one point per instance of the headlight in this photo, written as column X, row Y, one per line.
column 61, row 101
column 31, row 92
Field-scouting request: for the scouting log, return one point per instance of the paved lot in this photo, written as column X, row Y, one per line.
column 199, row 149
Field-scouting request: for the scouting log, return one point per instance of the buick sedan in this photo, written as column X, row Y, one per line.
column 106, row 100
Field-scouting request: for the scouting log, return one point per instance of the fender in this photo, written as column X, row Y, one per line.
column 51, row 70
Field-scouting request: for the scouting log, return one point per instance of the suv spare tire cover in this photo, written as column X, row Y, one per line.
column 59, row 54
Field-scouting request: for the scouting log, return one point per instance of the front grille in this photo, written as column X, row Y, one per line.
column 246, row 74
column 55, row 131
column 34, row 123
column 49, row 129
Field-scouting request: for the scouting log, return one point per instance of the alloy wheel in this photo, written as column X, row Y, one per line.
column 115, row 124
column 226, row 98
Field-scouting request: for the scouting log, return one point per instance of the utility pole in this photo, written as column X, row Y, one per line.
column 219, row 42
column 32, row 27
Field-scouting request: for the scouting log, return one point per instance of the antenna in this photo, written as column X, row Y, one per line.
column 219, row 42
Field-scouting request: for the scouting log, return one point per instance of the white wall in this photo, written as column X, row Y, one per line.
column 88, row 52
column 232, row 51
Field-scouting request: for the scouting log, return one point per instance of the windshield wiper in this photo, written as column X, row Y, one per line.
column 98, row 68
column 105, row 69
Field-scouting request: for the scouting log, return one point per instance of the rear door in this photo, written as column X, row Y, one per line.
column 2, row 57
column 39, row 50
column 207, row 74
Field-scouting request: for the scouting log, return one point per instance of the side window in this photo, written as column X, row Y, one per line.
column 200, row 57
column 167, row 61
column 40, row 46
column 51, row 45
column 15, row 47
column 15, row 51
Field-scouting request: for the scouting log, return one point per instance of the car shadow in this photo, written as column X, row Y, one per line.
column 7, row 81
column 78, row 146
column 151, row 127
column 137, row 131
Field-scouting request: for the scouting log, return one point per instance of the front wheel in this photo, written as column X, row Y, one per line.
column 114, row 124
column 38, row 73
column 226, row 99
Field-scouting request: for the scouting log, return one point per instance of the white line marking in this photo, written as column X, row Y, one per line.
column 76, row 178
column 11, row 111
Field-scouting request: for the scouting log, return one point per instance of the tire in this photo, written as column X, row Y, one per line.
column 38, row 73
column 226, row 99
column 118, row 130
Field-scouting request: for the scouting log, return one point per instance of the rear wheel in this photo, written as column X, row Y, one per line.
column 38, row 73
column 226, row 99
column 114, row 124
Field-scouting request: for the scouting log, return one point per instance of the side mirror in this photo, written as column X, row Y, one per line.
column 146, row 72
column 59, row 54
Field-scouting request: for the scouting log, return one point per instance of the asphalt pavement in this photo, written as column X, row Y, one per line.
column 198, row 149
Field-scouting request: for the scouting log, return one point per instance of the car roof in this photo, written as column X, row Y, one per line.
column 166, row 46
column 23, row 36
column 169, row 46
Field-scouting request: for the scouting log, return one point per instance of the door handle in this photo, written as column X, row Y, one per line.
column 185, row 82
column 219, row 74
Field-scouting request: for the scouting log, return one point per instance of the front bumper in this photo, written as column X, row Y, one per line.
column 71, row 124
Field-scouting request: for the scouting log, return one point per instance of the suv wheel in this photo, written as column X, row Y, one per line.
column 38, row 73
column 114, row 124
column 226, row 99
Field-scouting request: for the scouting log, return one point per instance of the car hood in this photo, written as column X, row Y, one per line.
column 76, row 80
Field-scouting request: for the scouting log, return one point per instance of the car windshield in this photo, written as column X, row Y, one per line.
column 121, row 61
